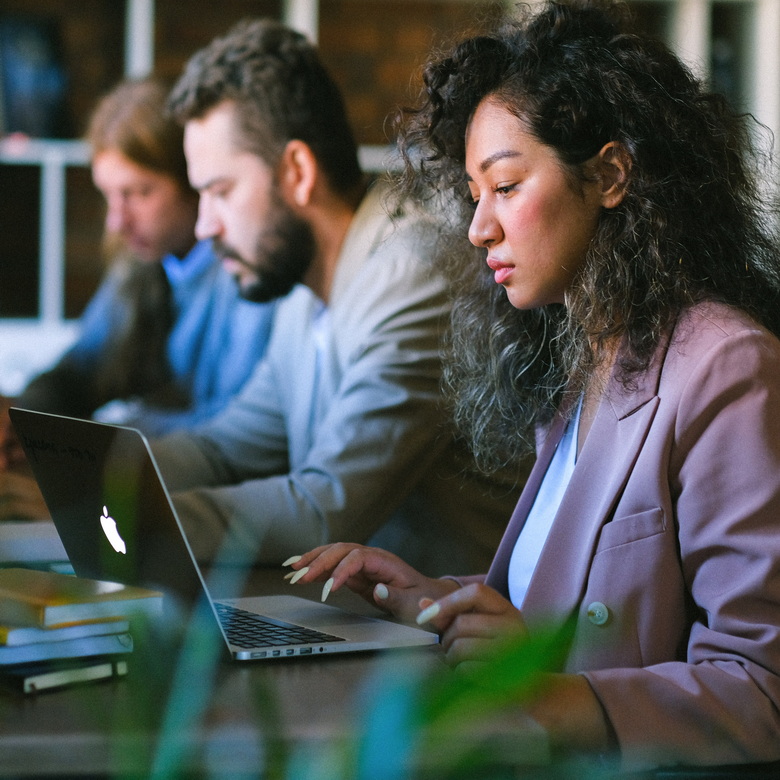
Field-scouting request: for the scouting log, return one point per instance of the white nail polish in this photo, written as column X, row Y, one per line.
column 326, row 589
column 381, row 592
column 298, row 574
column 289, row 575
column 293, row 559
column 428, row 614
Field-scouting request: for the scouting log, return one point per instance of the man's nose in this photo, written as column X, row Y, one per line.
column 207, row 224
column 117, row 215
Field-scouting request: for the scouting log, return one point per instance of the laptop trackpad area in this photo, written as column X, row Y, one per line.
column 333, row 620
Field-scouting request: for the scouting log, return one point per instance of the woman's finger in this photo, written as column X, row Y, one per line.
column 471, row 598
column 468, row 650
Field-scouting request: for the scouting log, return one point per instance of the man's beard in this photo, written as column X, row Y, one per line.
column 115, row 246
column 283, row 254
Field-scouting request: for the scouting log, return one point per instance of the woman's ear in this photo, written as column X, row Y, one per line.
column 613, row 167
column 297, row 173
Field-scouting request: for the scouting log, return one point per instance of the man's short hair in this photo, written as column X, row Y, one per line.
column 281, row 91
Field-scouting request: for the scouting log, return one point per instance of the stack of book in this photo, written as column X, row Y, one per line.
column 57, row 629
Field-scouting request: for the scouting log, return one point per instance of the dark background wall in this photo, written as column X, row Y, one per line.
column 374, row 48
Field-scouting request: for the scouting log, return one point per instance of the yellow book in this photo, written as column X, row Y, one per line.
column 29, row 597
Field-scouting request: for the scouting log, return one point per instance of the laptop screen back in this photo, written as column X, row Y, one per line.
column 108, row 503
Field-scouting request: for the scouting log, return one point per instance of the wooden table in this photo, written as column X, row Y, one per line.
column 283, row 718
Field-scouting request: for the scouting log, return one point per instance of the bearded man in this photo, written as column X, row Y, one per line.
column 340, row 434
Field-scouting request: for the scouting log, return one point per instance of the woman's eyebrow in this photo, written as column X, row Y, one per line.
column 494, row 158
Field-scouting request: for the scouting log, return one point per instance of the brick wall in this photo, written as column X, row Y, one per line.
column 374, row 48
column 376, row 51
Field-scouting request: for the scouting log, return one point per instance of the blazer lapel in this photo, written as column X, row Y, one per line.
column 560, row 576
column 497, row 574
column 605, row 463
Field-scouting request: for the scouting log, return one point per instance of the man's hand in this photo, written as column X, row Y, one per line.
column 20, row 498
column 11, row 452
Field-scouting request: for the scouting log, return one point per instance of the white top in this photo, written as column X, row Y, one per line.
column 534, row 534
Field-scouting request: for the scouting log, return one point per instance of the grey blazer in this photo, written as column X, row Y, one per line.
column 666, row 549
column 353, row 445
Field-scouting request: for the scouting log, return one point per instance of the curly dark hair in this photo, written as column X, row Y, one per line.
column 281, row 91
column 695, row 224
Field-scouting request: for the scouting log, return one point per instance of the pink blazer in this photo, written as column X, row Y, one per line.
column 667, row 548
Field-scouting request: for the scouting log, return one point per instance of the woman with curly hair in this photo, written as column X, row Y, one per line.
column 624, row 317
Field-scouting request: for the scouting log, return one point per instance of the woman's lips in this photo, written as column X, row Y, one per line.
column 502, row 270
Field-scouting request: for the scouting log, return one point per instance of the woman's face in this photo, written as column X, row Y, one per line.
column 534, row 225
column 146, row 209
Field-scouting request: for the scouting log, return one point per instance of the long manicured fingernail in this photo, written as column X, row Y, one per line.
column 290, row 575
column 298, row 574
column 291, row 560
column 326, row 589
column 381, row 592
column 428, row 614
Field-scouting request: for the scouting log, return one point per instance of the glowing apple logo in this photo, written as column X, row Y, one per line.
column 109, row 529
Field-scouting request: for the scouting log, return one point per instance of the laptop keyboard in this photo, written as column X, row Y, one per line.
column 247, row 629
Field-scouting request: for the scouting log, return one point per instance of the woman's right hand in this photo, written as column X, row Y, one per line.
column 380, row 577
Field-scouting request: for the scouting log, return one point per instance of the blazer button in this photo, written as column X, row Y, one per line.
column 598, row 613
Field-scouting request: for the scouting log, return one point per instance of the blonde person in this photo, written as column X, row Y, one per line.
column 166, row 340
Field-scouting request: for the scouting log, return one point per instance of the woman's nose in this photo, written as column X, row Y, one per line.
column 484, row 229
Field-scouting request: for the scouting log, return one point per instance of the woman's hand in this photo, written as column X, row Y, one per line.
column 20, row 497
column 470, row 620
column 380, row 577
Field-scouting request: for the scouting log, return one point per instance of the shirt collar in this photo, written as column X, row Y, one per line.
column 194, row 263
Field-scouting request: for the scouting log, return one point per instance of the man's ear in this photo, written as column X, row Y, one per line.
column 613, row 168
column 297, row 173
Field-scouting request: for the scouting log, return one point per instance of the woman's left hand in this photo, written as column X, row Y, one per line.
column 470, row 620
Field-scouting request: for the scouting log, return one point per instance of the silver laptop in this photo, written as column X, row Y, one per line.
column 116, row 521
